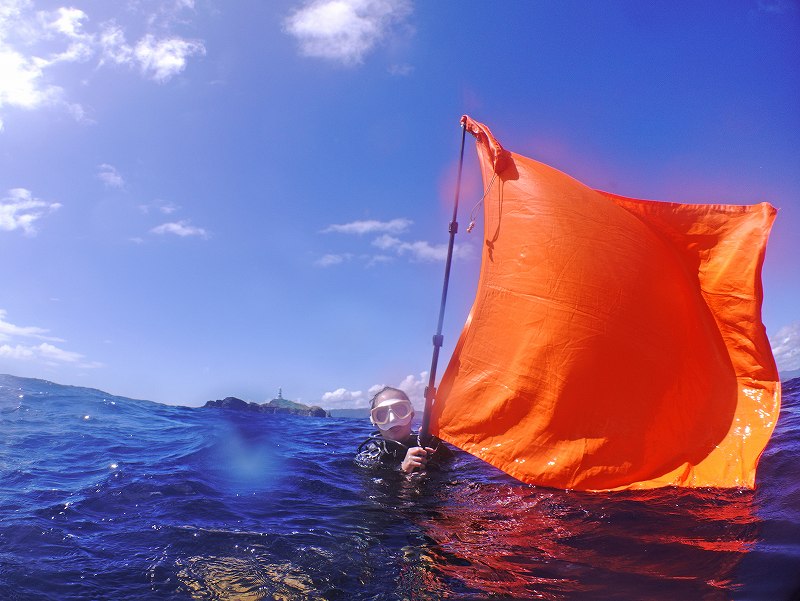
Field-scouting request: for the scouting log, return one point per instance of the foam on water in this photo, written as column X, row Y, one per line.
column 104, row 497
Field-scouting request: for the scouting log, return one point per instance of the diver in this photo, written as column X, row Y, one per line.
column 395, row 444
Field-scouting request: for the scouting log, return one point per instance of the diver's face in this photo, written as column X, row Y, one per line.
column 392, row 414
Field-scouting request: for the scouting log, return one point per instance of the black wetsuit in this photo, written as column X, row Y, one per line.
column 378, row 451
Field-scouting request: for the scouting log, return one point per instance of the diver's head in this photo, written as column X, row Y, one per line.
column 391, row 411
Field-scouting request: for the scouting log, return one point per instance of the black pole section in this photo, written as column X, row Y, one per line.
column 430, row 389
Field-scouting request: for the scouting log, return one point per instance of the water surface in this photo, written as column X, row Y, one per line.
column 103, row 497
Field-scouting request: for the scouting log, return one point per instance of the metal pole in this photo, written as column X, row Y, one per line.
column 430, row 389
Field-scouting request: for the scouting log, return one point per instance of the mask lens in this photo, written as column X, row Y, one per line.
column 385, row 414
column 401, row 410
column 380, row 415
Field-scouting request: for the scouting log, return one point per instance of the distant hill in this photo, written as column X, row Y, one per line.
column 789, row 375
column 275, row 406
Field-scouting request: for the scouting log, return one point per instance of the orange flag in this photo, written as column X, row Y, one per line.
column 613, row 342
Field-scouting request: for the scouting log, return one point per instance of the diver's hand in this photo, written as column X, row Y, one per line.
column 416, row 458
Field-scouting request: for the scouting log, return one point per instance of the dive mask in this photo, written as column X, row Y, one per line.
column 391, row 413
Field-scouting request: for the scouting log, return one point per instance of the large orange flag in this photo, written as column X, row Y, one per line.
column 613, row 342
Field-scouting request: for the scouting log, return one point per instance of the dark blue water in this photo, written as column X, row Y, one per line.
column 104, row 497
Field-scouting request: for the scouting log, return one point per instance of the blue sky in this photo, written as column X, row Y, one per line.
column 202, row 198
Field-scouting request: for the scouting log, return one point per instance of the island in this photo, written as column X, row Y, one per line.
column 278, row 405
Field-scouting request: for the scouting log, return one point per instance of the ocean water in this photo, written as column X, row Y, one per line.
column 104, row 497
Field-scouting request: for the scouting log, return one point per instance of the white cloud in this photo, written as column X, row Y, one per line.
column 53, row 353
column 45, row 353
column 425, row 251
column 20, row 82
column 180, row 228
column 9, row 330
column 342, row 398
column 371, row 226
column 344, row 30
column 414, row 387
column 158, row 59
column 11, row 7
column 113, row 46
column 22, row 73
column 386, row 242
column 34, row 43
column 16, row 352
column 162, row 59
column 20, row 210
column 68, row 21
column 420, row 250
column 109, row 175
column 416, row 251
column 16, row 347
column 786, row 347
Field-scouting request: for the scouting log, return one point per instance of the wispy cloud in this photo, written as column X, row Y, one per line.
column 394, row 226
column 159, row 59
column 374, row 260
column 401, row 70
column 34, row 43
column 162, row 206
column 113, row 46
column 16, row 346
column 59, row 355
column 180, row 228
column 47, row 354
column 786, row 347
column 329, row 260
column 345, row 31
column 389, row 242
column 9, row 331
column 20, row 210
column 109, row 175
column 418, row 250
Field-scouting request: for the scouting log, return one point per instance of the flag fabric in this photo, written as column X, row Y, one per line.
column 613, row 342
